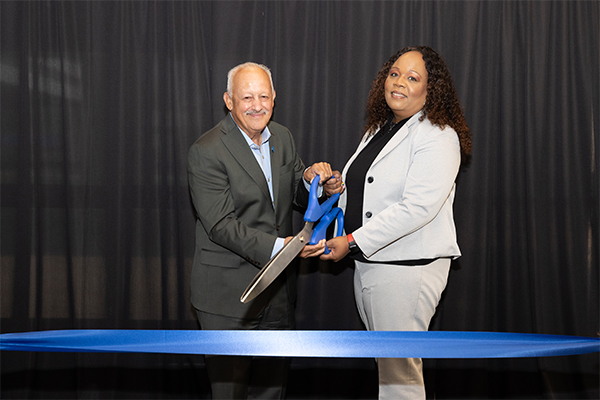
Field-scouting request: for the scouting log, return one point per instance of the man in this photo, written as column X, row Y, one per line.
column 244, row 178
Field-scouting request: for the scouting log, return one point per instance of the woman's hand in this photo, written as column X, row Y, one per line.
column 334, row 185
column 338, row 249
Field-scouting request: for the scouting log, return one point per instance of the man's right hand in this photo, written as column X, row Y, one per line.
column 310, row 250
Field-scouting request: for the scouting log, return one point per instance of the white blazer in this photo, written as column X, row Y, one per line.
column 408, row 195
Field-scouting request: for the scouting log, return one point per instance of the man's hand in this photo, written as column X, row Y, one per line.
column 329, row 179
column 310, row 250
column 313, row 250
column 338, row 249
column 322, row 169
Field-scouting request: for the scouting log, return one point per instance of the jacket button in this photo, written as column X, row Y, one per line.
column 370, row 179
column 278, row 227
column 368, row 214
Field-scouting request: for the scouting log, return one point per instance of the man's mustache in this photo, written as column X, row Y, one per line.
column 252, row 112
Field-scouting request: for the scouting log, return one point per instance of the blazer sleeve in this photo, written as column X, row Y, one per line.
column 211, row 193
column 233, row 210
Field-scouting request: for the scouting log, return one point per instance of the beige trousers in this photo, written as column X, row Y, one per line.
column 399, row 298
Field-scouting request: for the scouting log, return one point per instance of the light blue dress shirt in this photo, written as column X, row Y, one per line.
column 262, row 154
column 263, row 158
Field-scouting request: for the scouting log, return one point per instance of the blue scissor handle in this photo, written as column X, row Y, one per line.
column 315, row 211
column 320, row 230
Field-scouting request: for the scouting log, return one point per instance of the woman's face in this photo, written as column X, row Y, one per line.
column 406, row 85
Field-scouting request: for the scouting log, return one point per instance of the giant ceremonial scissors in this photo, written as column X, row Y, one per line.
column 325, row 214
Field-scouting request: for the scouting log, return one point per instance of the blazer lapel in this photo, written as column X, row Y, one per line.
column 363, row 143
column 275, row 148
column 237, row 145
column 398, row 138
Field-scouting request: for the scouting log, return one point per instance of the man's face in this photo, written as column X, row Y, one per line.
column 251, row 101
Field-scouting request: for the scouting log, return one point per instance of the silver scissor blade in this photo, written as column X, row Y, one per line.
column 273, row 268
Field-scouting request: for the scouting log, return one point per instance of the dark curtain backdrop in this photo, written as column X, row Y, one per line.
column 101, row 100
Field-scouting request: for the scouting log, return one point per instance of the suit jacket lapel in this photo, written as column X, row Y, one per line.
column 397, row 139
column 237, row 145
column 275, row 148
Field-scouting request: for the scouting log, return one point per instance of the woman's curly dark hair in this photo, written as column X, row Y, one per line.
column 441, row 107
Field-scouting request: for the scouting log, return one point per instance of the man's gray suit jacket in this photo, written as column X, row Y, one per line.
column 236, row 225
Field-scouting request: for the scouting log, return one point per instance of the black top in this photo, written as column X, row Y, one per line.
column 357, row 173
column 355, row 184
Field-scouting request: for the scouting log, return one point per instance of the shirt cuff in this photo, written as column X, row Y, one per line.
column 307, row 186
column 279, row 242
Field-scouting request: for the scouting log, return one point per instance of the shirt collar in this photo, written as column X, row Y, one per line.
column 266, row 134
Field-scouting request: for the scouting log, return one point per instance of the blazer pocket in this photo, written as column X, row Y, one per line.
column 220, row 259
column 287, row 168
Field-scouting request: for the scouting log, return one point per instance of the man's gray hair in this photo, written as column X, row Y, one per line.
column 237, row 68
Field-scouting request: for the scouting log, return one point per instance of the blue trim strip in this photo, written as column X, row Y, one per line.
column 354, row 344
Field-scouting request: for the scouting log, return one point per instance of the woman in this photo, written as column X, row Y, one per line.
column 400, row 186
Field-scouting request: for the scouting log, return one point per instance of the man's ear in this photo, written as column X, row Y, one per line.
column 228, row 101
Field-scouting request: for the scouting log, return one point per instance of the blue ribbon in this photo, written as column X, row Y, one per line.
column 354, row 344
